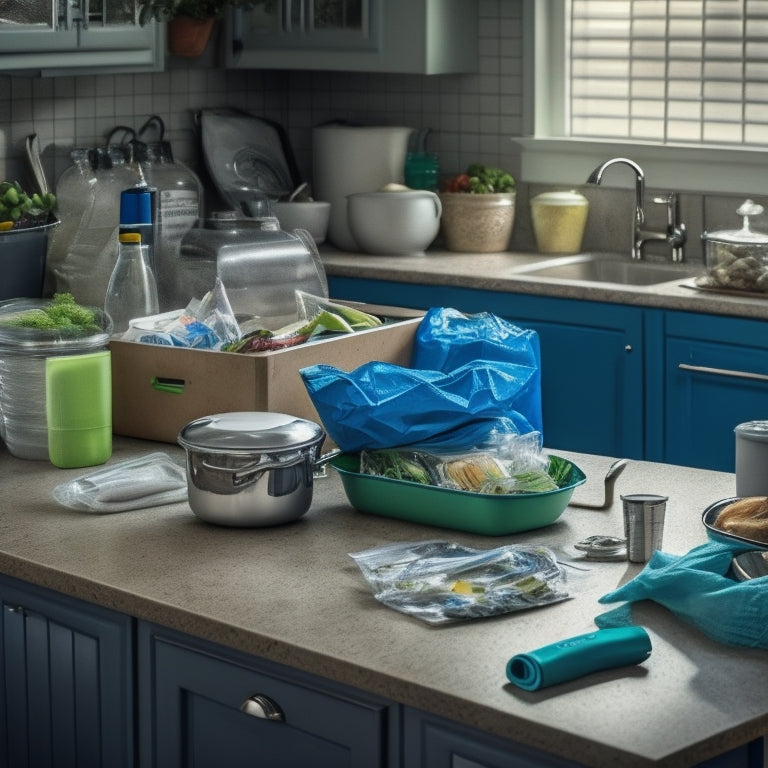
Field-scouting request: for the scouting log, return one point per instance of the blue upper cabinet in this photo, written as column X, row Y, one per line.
column 53, row 37
column 409, row 36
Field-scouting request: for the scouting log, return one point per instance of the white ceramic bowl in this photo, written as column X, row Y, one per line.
column 311, row 215
column 394, row 223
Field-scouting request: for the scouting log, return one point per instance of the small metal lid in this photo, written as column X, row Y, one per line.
column 743, row 236
column 753, row 430
column 250, row 431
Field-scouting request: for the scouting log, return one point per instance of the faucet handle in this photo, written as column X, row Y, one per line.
column 671, row 200
column 676, row 234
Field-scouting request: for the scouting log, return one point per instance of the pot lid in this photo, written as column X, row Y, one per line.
column 250, row 431
column 569, row 197
column 745, row 235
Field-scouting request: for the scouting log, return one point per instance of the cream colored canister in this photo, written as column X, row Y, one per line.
column 559, row 221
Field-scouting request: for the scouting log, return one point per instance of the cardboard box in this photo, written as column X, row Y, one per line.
column 156, row 390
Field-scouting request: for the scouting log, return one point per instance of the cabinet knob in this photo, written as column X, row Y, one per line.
column 627, row 347
column 262, row 706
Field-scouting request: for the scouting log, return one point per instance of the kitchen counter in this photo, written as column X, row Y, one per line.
column 497, row 272
column 292, row 595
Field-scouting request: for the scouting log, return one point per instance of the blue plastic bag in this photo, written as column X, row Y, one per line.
column 483, row 374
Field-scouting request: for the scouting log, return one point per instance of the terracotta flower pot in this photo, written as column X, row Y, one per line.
column 187, row 36
column 477, row 223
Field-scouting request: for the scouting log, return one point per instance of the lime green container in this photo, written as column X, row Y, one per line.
column 78, row 402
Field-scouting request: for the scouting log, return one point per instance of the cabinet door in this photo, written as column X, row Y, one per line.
column 434, row 742
column 591, row 358
column 67, row 695
column 416, row 36
column 311, row 25
column 56, row 37
column 206, row 706
column 716, row 371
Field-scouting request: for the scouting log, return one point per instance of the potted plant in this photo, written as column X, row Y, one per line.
column 478, row 210
column 189, row 21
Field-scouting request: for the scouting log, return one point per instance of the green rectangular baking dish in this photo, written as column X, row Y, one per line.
column 484, row 513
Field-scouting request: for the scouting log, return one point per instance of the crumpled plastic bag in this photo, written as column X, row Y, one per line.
column 146, row 481
column 441, row 582
column 696, row 587
column 481, row 368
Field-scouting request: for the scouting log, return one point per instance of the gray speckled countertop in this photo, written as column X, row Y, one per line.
column 500, row 272
column 291, row 594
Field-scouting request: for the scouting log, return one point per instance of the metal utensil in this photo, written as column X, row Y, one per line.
column 298, row 191
column 750, row 565
column 610, row 481
column 32, row 146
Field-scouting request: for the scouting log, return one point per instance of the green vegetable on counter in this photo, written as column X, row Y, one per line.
column 397, row 465
column 560, row 469
column 484, row 180
column 17, row 207
column 62, row 313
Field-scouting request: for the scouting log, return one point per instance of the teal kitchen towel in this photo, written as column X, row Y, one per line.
column 698, row 588
column 578, row 656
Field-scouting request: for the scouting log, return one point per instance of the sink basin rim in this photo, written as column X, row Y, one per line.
column 608, row 269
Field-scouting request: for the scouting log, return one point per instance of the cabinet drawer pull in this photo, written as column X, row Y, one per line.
column 723, row 372
column 262, row 706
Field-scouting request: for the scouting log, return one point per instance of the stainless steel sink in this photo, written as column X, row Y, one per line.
column 607, row 268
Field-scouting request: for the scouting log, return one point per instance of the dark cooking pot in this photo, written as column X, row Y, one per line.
column 251, row 468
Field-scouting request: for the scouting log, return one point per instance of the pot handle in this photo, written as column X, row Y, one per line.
column 262, row 464
column 326, row 457
column 257, row 466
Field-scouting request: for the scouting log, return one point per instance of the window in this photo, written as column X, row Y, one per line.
column 679, row 71
column 681, row 86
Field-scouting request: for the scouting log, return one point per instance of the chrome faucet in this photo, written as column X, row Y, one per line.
column 674, row 235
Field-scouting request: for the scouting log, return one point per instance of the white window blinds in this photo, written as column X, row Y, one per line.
column 671, row 71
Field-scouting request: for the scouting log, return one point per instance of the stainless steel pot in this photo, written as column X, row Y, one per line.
column 251, row 468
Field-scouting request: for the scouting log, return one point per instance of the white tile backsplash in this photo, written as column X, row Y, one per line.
column 469, row 114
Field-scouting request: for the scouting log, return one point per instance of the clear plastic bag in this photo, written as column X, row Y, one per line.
column 441, row 582
column 504, row 463
column 207, row 323
column 146, row 481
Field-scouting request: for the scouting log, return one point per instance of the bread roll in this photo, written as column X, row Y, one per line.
column 747, row 517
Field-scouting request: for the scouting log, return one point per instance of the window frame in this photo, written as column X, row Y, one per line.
column 547, row 156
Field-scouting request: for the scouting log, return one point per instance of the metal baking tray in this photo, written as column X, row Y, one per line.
column 710, row 516
column 483, row 513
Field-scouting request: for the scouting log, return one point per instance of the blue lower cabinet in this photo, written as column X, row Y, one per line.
column 591, row 358
column 67, row 694
column 206, row 706
column 434, row 742
column 716, row 373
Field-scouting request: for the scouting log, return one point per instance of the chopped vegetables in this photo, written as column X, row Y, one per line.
column 398, row 465
column 470, row 474
column 340, row 319
column 478, row 471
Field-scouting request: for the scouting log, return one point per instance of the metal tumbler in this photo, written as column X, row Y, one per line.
column 643, row 524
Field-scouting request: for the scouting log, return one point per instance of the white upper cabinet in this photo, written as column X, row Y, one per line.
column 410, row 36
column 73, row 36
